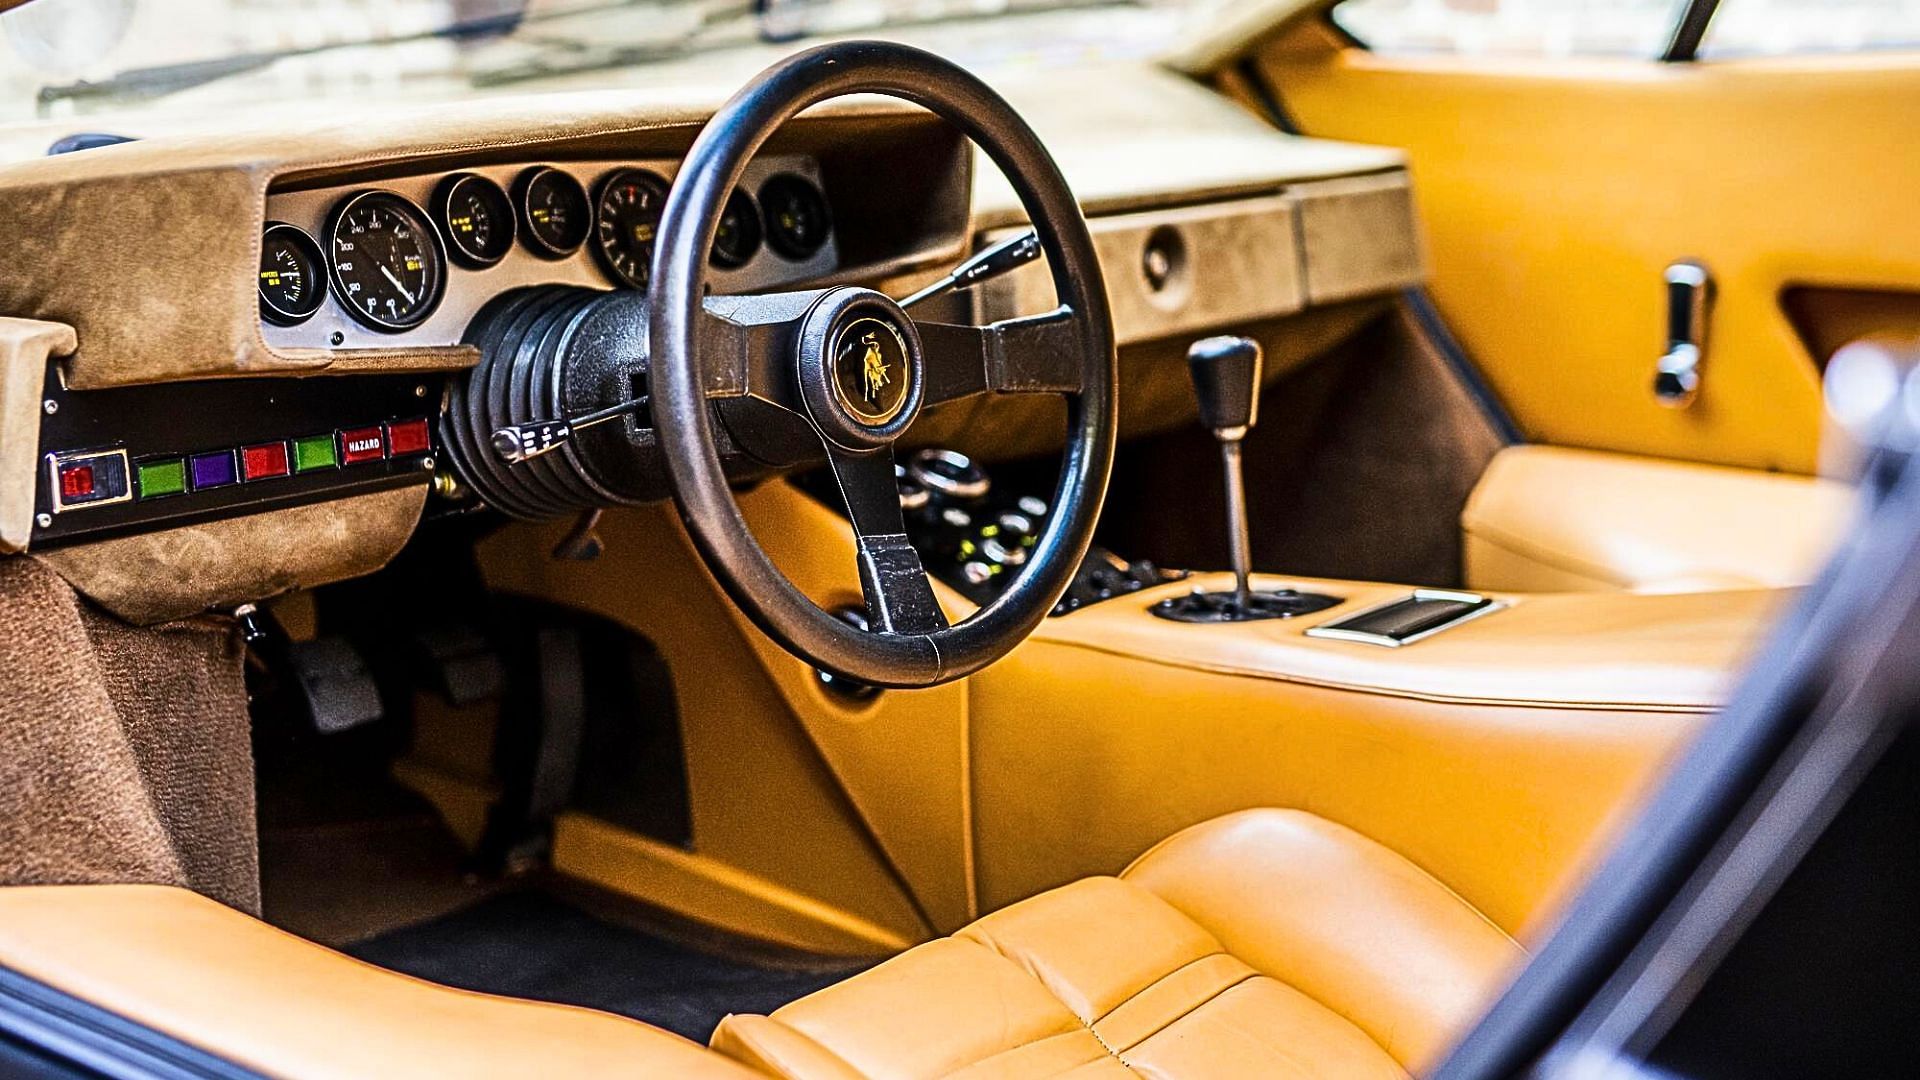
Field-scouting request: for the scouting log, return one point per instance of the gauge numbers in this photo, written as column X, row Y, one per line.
column 626, row 216
column 388, row 268
column 293, row 274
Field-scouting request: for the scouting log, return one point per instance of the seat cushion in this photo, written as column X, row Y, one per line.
column 230, row 984
column 1268, row 943
column 1552, row 519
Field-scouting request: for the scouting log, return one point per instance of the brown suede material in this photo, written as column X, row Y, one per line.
column 1359, row 469
column 124, row 753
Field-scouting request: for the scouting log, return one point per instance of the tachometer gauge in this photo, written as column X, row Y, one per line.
column 476, row 217
column 388, row 266
column 797, row 217
column 293, row 274
column 553, row 211
column 626, row 214
column 738, row 237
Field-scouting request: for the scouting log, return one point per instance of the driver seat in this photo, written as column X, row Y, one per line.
column 1266, row 943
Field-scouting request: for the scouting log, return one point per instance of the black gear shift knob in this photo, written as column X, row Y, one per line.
column 1226, row 380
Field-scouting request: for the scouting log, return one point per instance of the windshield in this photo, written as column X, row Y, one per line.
column 75, row 58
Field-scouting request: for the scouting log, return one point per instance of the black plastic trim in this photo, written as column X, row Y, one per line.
column 1265, row 94
column 97, row 1041
column 1684, row 46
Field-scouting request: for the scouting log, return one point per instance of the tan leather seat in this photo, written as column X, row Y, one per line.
column 1554, row 519
column 234, row 986
column 1267, row 943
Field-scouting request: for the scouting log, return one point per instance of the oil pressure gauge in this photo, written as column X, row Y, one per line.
column 554, row 214
column 476, row 217
column 293, row 274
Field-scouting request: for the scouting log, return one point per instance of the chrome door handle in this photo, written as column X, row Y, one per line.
column 1676, row 378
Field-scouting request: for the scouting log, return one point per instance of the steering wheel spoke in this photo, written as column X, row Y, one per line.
column 746, row 345
column 1034, row 354
column 899, row 597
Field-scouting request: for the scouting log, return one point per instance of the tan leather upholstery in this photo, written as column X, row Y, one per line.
column 1264, row 943
column 223, row 981
column 1547, row 519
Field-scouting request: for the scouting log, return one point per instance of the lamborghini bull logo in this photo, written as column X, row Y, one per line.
column 873, row 368
column 871, row 373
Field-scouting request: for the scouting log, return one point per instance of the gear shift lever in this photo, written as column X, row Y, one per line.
column 1226, row 381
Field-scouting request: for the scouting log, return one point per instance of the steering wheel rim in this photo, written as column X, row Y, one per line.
column 679, row 379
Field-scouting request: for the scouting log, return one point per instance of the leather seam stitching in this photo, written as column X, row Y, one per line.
column 1123, row 1002
column 993, row 946
column 1196, row 1007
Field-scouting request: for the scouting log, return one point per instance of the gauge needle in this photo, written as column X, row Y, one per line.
column 397, row 285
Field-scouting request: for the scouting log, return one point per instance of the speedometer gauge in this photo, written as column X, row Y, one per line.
column 388, row 267
column 293, row 274
column 626, row 214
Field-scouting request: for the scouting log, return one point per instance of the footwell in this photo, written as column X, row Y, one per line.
column 528, row 944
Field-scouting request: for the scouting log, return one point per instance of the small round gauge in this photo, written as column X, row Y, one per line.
column 738, row 237
column 293, row 274
column 389, row 269
column 554, row 214
column 626, row 215
column 796, row 214
column 476, row 217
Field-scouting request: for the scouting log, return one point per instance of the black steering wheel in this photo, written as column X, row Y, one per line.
column 858, row 370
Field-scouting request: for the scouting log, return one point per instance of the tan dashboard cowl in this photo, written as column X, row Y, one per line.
column 108, row 240
column 25, row 345
column 1134, row 136
column 159, row 576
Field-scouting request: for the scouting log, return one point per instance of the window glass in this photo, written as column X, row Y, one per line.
column 1774, row 27
column 1512, row 27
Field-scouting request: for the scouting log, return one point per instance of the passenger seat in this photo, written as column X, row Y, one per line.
column 1550, row 519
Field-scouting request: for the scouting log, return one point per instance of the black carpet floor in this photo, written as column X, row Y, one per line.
column 528, row 944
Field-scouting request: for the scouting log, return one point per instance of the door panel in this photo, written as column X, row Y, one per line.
column 1555, row 192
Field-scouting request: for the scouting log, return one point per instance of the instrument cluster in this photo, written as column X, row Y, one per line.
column 411, row 260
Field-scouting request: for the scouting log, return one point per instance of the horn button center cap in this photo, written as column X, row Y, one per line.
column 860, row 368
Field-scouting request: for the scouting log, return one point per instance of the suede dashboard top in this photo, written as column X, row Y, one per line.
column 148, row 249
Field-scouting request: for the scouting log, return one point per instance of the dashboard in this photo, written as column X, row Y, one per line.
column 411, row 260
column 272, row 323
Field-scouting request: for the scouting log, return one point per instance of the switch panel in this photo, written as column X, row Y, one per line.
column 137, row 458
